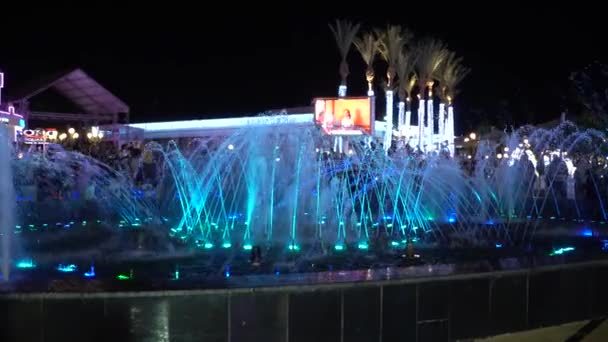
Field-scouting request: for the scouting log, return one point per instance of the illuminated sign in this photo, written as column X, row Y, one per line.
column 38, row 136
column 344, row 116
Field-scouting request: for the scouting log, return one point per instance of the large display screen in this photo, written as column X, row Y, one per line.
column 344, row 116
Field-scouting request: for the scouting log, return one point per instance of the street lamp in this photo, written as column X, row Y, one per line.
column 95, row 135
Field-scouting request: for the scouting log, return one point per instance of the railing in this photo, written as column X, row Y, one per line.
column 435, row 309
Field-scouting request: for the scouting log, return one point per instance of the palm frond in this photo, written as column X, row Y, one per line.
column 431, row 54
column 367, row 45
column 452, row 73
column 344, row 33
column 406, row 67
column 391, row 42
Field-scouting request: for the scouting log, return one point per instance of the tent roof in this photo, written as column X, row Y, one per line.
column 78, row 87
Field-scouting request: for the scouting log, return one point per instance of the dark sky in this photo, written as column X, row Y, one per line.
column 190, row 63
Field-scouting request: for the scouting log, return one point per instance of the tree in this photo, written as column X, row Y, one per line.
column 344, row 33
column 367, row 46
column 407, row 76
column 391, row 44
column 431, row 53
column 451, row 74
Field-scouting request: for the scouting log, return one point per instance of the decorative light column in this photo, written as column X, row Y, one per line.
column 429, row 116
column 401, row 116
column 1, row 85
column 388, row 136
column 408, row 118
column 449, row 130
column 420, row 122
column 342, row 90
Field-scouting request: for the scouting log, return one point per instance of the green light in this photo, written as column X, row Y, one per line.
column 394, row 243
column 561, row 251
column 208, row 245
column 122, row 277
column 176, row 275
column 339, row 247
column 247, row 247
column 226, row 245
column 389, row 225
column 362, row 245
column 293, row 247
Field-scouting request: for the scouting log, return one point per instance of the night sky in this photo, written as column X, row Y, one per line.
column 214, row 63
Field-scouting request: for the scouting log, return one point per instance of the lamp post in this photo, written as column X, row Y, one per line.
column 95, row 136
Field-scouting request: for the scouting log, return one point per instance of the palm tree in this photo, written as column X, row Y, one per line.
column 452, row 73
column 431, row 53
column 367, row 46
column 407, row 76
column 391, row 43
column 344, row 33
column 407, row 81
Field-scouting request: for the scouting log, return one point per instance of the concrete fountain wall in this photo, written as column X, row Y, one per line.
column 432, row 309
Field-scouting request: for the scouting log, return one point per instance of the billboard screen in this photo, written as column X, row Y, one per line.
column 344, row 116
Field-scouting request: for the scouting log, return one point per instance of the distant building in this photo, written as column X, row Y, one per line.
column 88, row 103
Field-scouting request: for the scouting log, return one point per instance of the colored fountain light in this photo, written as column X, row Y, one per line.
column 90, row 273
column 363, row 245
column 561, row 251
column 25, row 264
column 67, row 268
column 339, row 247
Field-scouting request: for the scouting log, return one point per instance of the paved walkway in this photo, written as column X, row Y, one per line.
column 587, row 331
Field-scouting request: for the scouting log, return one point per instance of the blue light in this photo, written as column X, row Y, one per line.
column 67, row 268
column 451, row 219
column 587, row 232
column 227, row 272
column 490, row 222
column 25, row 264
column 363, row 245
column 394, row 243
column 605, row 245
column 90, row 273
column 226, row 245
column 208, row 245
column 499, row 245
column 247, row 247
column 339, row 247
